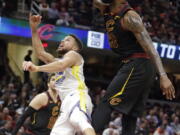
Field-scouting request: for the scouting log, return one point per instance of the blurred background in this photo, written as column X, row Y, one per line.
column 62, row 17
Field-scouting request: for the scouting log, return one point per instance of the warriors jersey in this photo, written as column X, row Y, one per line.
column 71, row 81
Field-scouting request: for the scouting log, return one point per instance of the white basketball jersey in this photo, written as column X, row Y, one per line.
column 71, row 81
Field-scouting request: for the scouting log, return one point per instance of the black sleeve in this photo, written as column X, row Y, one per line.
column 29, row 111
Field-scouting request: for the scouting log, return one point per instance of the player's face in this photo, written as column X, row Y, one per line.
column 66, row 45
column 52, row 83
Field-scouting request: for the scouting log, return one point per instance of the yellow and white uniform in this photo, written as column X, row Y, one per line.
column 76, row 104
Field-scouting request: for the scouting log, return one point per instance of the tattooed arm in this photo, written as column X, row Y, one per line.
column 133, row 23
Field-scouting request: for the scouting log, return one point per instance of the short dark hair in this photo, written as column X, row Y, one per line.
column 78, row 41
column 50, row 76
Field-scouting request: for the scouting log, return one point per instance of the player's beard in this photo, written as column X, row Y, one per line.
column 61, row 53
column 53, row 89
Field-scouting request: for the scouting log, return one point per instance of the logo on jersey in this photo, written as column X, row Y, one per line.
column 112, row 38
column 110, row 25
column 60, row 77
column 115, row 101
column 54, row 116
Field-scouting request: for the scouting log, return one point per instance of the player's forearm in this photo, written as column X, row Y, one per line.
column 159, row 66
column 36, row 43
column 39, row 49
column 146, row 42
column 56, row 66
column 22, row 118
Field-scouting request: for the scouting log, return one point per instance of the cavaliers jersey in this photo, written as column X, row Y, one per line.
column 43, row 120
column 70, row 81
column 122, row 42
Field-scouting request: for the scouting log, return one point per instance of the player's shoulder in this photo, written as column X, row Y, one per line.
column 41, row 98
column 76, row 57
column 132, row 16
column 131, row 13
column 41, row 95
column 73, row 54
column 39, row 101
column 132, row 21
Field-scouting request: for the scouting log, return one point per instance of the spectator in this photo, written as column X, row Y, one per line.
column 43, row 9
column 53, row 14
column 143, row 128
column 167, row 127
column 6, row 115
column 117, row 121
column 161, row 131
column 152, row 118
column 111, row 130
column 64, row 17
column 13, row 103
column 62, row 3
column 6, row 128
column 71, row 8
column 176, row 125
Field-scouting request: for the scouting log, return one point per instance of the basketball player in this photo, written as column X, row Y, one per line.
column 43, row 110
column 128, row 91
column 76, row 105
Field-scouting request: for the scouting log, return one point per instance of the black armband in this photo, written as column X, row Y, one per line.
column 28, row 112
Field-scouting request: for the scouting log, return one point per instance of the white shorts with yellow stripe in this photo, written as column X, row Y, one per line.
column 75, row 114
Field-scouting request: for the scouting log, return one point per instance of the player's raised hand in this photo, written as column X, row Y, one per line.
column 29, row 66
column 167, row 87
column 34, row 21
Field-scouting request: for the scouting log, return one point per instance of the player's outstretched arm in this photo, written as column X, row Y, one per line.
column 28, row 112
column 70, row 59
column 39, row 101
column 36, row 103
column 133, row 22
column 34, row 21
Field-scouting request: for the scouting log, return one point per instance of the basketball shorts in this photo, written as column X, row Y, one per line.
column 76, row 108
column 127, row 93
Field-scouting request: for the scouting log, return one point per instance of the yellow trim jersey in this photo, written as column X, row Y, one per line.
column 71, row 81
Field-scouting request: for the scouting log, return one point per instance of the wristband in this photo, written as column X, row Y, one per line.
column 161, row 74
